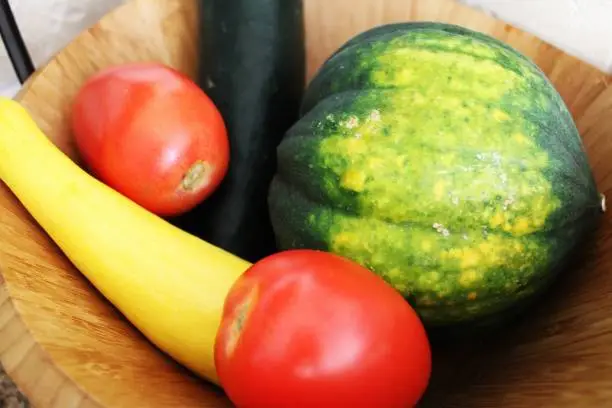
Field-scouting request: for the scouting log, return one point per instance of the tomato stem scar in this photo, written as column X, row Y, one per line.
column 196, row 177
column 241, row 315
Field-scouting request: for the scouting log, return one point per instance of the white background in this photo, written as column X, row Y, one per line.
column 47, row 26
column 580, row 27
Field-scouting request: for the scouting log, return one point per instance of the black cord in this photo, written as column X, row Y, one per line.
column 15, row 47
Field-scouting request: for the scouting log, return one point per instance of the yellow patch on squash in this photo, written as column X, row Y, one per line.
column 469, row 277
column 353, row 180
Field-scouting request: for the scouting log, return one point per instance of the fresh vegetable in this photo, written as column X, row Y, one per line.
column 168, row 283
column 306, row 328
column 444, row 161
column 152, row 134
column 252, row 65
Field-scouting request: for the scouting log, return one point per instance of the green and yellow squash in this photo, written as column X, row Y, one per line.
column 441, row 159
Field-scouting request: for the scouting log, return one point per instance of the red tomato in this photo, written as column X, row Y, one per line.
column 152, row 134
column 308, row 329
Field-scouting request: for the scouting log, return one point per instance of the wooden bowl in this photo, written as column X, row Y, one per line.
column 65, row 346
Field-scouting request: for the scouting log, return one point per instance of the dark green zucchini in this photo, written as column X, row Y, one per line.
column 252, row 65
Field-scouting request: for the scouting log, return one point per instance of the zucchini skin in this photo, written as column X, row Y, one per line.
column 252, row 65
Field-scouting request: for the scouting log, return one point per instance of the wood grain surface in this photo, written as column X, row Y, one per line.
column 66, row 347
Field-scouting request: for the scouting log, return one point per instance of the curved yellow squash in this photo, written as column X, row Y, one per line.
column 171, row 285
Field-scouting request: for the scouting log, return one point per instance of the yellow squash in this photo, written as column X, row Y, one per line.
column 171, row 285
